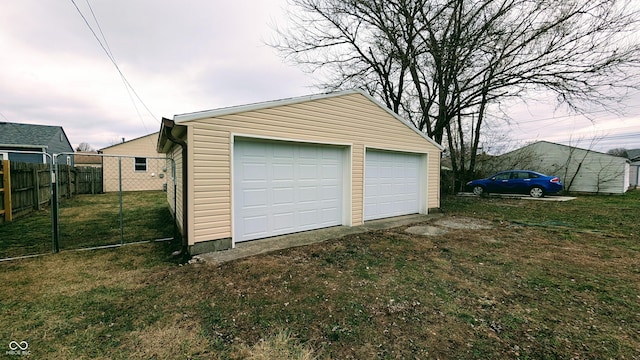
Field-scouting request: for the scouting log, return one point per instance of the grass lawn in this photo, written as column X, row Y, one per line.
column 548, row 281
column 88, row 221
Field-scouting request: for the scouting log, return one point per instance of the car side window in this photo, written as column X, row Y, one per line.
column 520, row 175
column 533, row 175
column 503, row 176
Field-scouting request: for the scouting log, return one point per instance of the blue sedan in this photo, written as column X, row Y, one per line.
column 517, row 182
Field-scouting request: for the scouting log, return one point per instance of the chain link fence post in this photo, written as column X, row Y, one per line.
column 55, row 215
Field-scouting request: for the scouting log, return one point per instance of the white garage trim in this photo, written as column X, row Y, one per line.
column 394, row 183
column 275, row 172
column 242, row 136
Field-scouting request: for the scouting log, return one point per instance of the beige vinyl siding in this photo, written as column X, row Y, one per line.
column 132, row 180
column 433, row 180
column 351, row 120
column 357, row 184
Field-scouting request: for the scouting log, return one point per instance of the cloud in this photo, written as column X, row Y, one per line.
column 179, row 57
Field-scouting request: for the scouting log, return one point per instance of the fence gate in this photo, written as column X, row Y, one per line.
column 117, row 200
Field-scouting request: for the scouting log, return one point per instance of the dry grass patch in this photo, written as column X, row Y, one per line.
column 178, row 337
column 281, row 345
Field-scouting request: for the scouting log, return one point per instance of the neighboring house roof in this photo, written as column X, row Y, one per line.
column 561, row 145
column 634, row 154
column 88, row 158
column 152, row 135
column 43, row 136
column 290, row 101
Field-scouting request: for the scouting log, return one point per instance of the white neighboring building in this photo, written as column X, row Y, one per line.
column 634, row 172
column 580, row 170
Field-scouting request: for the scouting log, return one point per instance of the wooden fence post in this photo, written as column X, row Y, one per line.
column 93, row 180
column 6, row 184
column 36, row 189
column 69, row 192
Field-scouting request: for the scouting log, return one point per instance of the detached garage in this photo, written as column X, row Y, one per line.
column 285, row 166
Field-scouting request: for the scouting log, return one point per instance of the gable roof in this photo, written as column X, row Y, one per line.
column 634, row 154
column 30, row 134
column 87, row 158
column 128, row 141
column 296, row 100
column 561, row 145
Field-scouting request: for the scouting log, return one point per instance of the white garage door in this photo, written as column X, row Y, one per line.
column 282, row 188
column 392, row 184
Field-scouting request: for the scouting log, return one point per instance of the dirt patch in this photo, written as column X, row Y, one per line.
column 443, row 225
column 427, row 230
column 458, row 222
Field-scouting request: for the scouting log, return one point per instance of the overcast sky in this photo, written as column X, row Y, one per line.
column 187, row 56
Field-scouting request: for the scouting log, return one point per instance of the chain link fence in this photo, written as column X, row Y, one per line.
column 114, row 201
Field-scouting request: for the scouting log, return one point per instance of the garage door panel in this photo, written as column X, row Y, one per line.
column 283, row 196
column 308, row 171
column 254, row 197
column 302, row 183
column 330, row 171
column 308, row 194
column 282, row 222
column 255, row 225
column 392, row 184
column 252, row 171
column 282, row 171
column 330, row 192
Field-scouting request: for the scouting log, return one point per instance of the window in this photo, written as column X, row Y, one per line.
column 520, row 175
column 503, row 176
column 140, row 164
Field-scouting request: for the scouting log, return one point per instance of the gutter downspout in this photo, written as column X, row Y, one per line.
column 169, row 124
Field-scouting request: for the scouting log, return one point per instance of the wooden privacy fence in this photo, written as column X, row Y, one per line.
column 5, row 191
column 26, row 187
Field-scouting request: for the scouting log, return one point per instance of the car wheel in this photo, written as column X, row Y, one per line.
column 478, row 190
column 536, row 192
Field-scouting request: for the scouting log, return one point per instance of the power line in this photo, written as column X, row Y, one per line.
column 113, row 61
column 570, row 115
column 617, row 137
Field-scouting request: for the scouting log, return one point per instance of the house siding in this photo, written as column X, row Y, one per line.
column 132, row 180
column 634, row 174
column 174, row 188
column 591, row 171
column 348, row 120
column 16, row 139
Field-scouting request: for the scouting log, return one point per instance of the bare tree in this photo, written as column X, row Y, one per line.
column 447, row 64
column 84, row 147
column 622, row 152
column 608, row 172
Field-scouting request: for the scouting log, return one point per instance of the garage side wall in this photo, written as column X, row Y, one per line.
column 351, row 120
column 174, row 185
